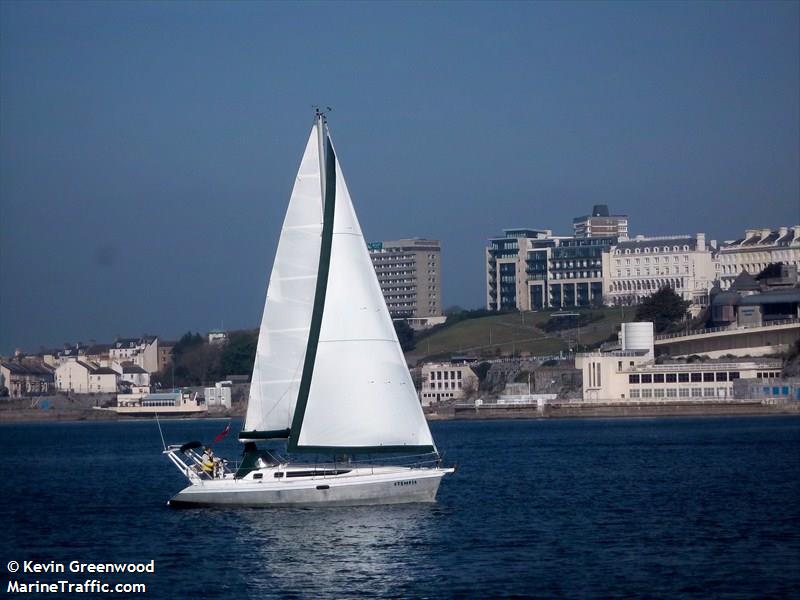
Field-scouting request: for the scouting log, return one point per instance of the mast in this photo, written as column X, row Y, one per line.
column 321, row 122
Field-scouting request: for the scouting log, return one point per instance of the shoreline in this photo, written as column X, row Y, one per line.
column 453, row 413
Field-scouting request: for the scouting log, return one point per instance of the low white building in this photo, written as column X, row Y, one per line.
column 632, row 373
column 219, row 395
column 133, row 374
column 446, row 382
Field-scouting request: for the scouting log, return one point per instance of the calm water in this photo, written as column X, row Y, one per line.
column 595, row 508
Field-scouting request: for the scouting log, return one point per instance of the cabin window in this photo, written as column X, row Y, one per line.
column 278, row 475
column 258, row 475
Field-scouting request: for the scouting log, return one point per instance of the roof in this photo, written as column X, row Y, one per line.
column 789, row 296
column 98, row 349
column 132, row 369
column 104, row 371
column 163, row 396
column 744, row 282
column 16, row 368
column 726, row 299
column 89, row 367
column 660, row 242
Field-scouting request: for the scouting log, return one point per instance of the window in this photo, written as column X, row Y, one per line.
column 659, row 393
column 697, row 377
column 672, row 377
column 708, row 377
column 658, row 378
column 634, row 393
column 723, row 376
column 683, row 392
column 708, row 392
column 647, row 393
column 733, row 375
column 647, row 378
column 683, row 377
column 633, row 379
column 672, row 393
column 696, row 392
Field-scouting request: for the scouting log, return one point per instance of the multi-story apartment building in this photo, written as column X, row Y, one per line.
column 757, row 249
column 530, row 269
column 409, row 272
column 600, row 224
column 637, row 267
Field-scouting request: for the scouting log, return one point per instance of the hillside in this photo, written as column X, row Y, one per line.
column 510, row 333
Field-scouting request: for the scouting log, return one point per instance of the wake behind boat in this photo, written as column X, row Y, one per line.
column 329, row 378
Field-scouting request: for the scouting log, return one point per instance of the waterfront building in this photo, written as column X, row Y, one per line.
column 531, row 269
column 219, row 395
column 133, row 374
column 758, row 249
column 448, row 381
column 632, row 373
column 409, row 273
column 81, row 377
column 600, row 224
column 636, row 268
column 25, row 378
column 140, row 351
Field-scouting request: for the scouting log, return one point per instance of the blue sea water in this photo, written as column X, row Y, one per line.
column 679, row 508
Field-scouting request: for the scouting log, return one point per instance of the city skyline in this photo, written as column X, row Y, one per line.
column 145, row 148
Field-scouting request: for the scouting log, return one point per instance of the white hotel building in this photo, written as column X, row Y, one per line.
column 757, row 249
column 638, row 267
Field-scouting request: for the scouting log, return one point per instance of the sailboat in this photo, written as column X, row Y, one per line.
column 330, row 380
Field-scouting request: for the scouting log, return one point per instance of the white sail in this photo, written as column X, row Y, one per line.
column 283, row 336
column 361, row 394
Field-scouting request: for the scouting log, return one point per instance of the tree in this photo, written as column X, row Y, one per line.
column 405, row 335
column 664, row 308
column 239, row 353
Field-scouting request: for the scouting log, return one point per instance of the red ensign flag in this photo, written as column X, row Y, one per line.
column 223, row 433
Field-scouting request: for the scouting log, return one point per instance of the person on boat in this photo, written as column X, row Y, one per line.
column 208, row 462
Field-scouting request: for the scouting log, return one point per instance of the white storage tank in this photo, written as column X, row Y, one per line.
column 638, row 336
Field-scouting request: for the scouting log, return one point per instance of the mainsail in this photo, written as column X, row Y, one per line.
column 283, row 336
column 330, row 372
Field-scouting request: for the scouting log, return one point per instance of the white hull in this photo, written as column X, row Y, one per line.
column 359, row 486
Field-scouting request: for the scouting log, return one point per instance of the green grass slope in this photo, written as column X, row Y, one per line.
column 513, row 333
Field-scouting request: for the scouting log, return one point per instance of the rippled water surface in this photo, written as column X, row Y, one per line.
column 553, row 508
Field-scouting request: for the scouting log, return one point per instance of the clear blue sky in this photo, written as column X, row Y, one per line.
column 148, row 149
